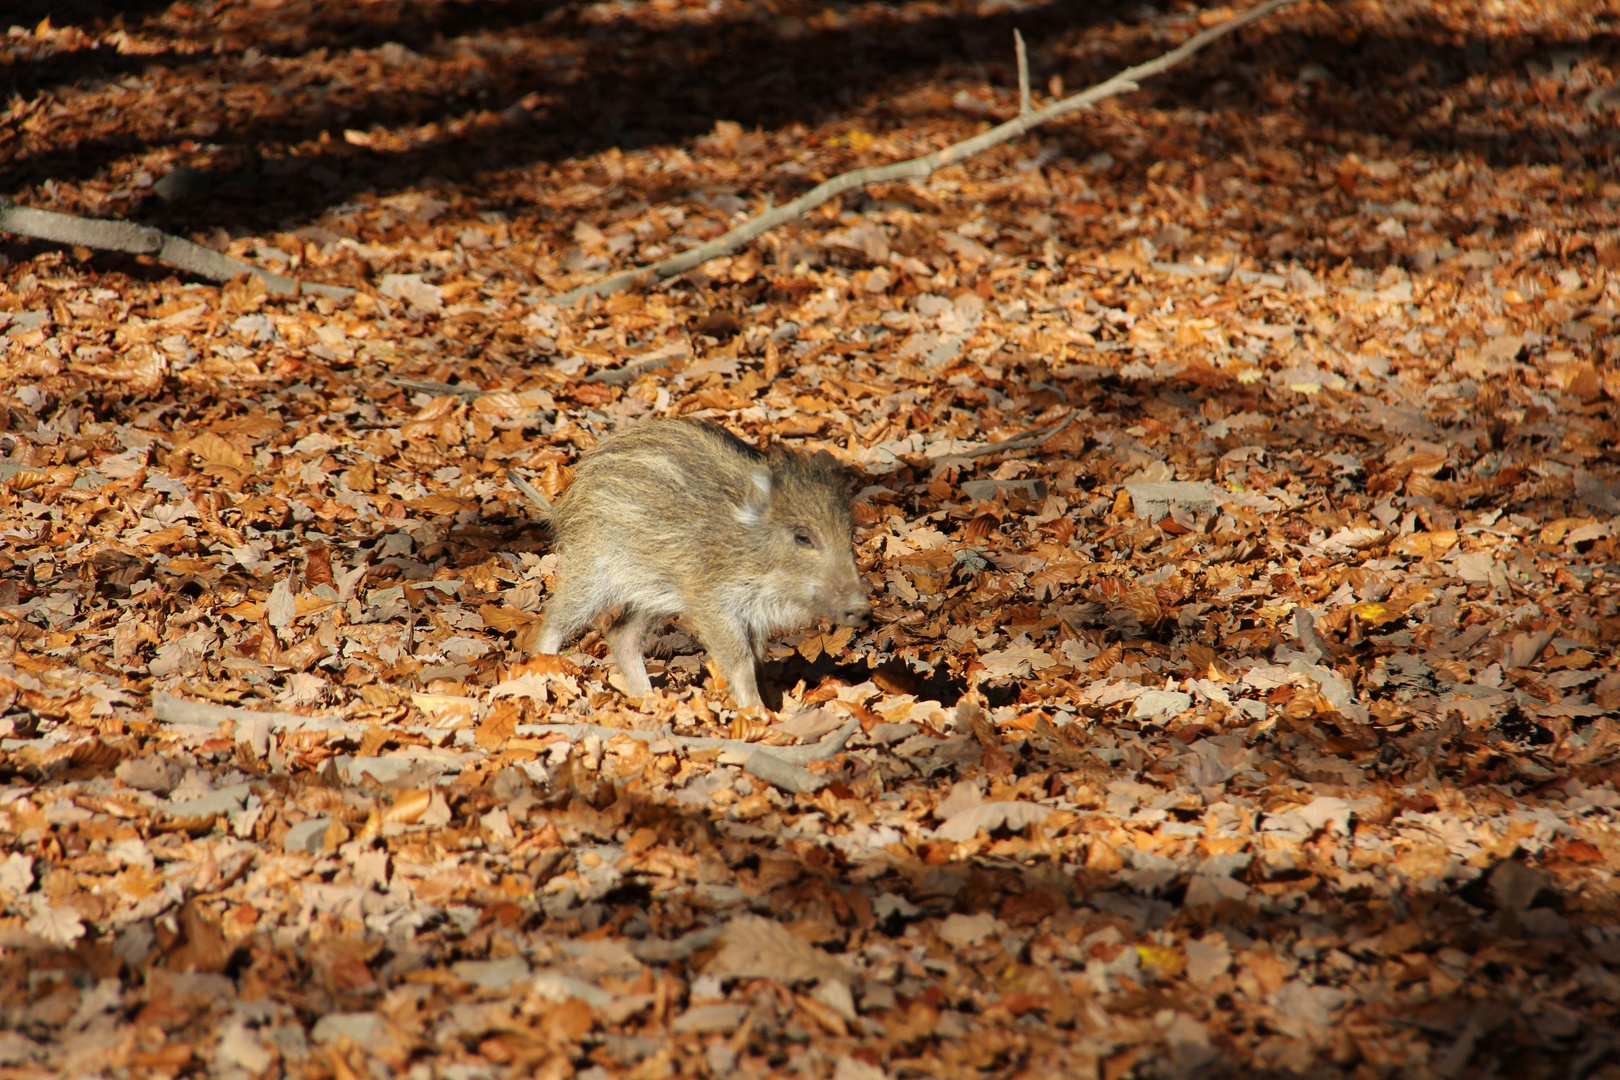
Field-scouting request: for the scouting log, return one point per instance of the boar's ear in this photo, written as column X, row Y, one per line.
column 838, row 471
column 756, row 501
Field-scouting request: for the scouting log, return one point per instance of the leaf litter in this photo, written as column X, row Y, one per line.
column 1259, row 721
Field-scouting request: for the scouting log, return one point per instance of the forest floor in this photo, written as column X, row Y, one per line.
column 1260, row 722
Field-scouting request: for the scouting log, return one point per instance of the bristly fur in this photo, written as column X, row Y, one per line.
column 676, row 518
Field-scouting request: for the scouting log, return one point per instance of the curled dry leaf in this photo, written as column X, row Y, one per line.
column 408, row 807
column 749, row 726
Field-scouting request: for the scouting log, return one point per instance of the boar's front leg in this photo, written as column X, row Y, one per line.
column 568, row 611
column 733, row 653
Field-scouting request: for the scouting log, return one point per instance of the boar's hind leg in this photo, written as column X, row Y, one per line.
column 734, row 655
column 624, row 638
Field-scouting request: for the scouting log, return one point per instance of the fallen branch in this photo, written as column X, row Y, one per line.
column 439, row 389
column 174, row 710
column 255, row 727
column 144, row 240
column 779, row 765
column 915, row 168
column 770, row 768
column 798, row 755
column 1028, row 440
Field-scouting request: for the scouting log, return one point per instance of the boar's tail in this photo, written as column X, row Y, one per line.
column 532, row 492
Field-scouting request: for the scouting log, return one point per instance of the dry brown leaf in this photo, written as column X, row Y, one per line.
column 752, row 947
column 408, row 807
column 1425, row 545
column 215, row 450
column 498, row 727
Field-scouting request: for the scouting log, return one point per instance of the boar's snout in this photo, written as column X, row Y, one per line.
column 856, row 611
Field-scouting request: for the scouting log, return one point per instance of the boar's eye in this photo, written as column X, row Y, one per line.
column 803, row 538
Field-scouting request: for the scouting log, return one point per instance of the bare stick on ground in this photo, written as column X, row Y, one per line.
column 779, row 765
column 1023, row 73
column 1027, row 441
column 529, row 491
column 916, row 168
column 144, row 240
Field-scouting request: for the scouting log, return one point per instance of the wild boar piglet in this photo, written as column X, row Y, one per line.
column 679, row 519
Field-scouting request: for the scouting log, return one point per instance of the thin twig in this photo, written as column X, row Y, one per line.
column 637, row 366
column 916, row 168
column 530, row 492
column 439, row 389
column 1023, row 73
column 144, row 240
column 1027, row 441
